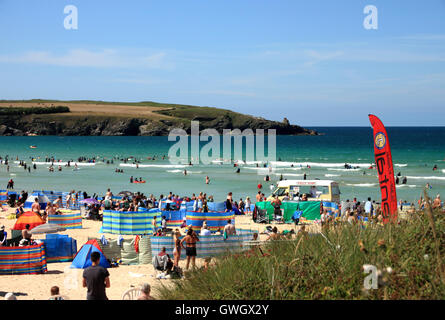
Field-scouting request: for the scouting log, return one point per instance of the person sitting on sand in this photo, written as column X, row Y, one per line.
column 55, row 294
column 26, row 235
column 302, row 231
column 274, row 235
column 206, row 264
column 58, row 203
column 205, row 231
column 162, row 261
column 145, row 292
column 3, row 236
column 437, row 204
column 229, row 229
column 50, row 210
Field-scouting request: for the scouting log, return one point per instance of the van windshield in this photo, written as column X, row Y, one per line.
column 280, row 192
column 317, row 189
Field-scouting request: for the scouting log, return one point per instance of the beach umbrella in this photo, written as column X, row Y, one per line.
column 47, row 228
column 125, row 194
column 90, row 201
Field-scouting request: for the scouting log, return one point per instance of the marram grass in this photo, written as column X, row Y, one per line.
column 329, row 266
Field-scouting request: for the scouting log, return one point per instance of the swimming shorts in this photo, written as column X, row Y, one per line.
column 190, row 251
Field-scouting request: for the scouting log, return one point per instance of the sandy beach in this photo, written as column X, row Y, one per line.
column 37, row 287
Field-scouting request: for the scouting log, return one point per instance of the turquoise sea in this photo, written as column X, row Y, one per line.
column 415, row 152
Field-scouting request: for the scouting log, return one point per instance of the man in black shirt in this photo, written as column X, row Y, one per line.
column 96, row 278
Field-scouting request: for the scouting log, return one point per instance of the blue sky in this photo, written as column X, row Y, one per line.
column 310, row 61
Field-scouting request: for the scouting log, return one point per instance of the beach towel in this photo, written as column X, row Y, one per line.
column 136, row 244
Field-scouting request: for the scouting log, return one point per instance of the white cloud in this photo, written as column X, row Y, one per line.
column 106, row 58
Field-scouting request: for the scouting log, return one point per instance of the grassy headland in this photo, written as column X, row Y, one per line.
column 87, row 117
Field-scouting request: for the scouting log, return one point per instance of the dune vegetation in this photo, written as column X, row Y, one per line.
column 330, row 265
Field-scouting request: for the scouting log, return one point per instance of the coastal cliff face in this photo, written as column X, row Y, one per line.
column 85, row 126
column 97, row 118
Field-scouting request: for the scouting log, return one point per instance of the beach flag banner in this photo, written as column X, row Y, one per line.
column 385, row 169
column 215, row 220
column 207, row 246
column 71, row 220
column 125, row 222
column 23, row 260
column 59, row 248
column 28, row 217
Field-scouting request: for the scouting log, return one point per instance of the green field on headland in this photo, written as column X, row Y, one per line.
column 145, row 118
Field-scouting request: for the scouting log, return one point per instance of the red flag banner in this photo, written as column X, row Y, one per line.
column 383, row 161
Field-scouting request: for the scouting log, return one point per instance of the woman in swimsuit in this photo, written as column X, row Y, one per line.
column 177, row 249
column 190, row 239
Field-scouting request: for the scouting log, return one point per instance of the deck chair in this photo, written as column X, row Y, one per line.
column 262, row 216
column 131, row 294
column 59, row 297
column 16, row 236
column 279, row 218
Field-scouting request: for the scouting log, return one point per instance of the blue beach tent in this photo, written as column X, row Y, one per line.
column 82, row 259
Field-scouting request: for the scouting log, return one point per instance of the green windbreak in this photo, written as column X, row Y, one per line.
column 311, row 209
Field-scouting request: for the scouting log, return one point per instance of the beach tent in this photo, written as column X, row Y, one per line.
column 82, row 259
column 29, row 217
column 43, row 200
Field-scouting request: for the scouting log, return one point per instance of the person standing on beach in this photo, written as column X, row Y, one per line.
column 229, row 202
column 96, row 278
column 68, row 200
column 35, row 207
column 190, row 249
column 177, row 249
column 258, row 196
column 368, row 207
